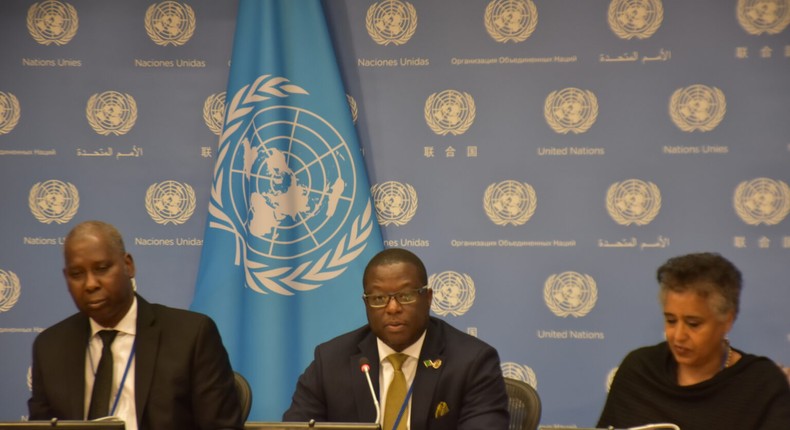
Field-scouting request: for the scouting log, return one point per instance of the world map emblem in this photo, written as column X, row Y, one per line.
column 52, row 22
column 571, row 110
column 510, row 202
column 214, row 112
column 570, row 294
column 635, row 18
column 170, row 202
column 170, row 23
column 9, row 290
column 111, row 113
column 519, row 372
column 391, row 21
column 396, row 203
column 453, row 293
column 763, row 16
column 53, row 201
column 511, row 20
column 284, row 187
column 9, row 112
column 697, row 108
column 633, row 201
column 762, row 201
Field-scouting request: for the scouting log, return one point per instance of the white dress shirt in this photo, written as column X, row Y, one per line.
column 409, row 369
column 121, row 354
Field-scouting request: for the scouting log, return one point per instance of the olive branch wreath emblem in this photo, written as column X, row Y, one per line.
column 308, row 275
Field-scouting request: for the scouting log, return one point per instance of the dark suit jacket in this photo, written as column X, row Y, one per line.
column 183, row 378
column 469, row 381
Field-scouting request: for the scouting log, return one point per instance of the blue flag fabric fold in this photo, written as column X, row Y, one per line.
column 291, row 223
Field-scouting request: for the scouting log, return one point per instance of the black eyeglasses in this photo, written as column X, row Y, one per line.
column 403, row 297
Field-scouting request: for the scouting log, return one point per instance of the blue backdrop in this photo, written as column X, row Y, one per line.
column 543, row 157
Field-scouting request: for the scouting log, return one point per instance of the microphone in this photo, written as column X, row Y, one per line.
column 364, row 366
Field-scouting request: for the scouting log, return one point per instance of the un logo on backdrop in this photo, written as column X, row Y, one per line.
column 510, row 202
column 570, row 293
column 450, row 112
column 170, row 202
column 511, row 20
column 453, row 293
column 697, row 107
column 214, row 112
column 762, row 201
column 519, row 372
column 111, row 112
column 53, row 201
column 396, row 203
column 570, row 110
column 9, row 290
column 9, row 112
column 635, row 18
column 763, row 16
column 170, row 23
column 391, row 21
column 292, row 181
column 52, row 22
column 633, row 202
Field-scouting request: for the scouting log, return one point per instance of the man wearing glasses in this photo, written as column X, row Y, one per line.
column 427, row 374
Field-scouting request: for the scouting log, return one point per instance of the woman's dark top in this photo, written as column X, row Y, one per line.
column 752, row 394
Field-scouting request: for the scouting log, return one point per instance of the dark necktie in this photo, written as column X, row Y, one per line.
column 102, row 385
column 396, row 394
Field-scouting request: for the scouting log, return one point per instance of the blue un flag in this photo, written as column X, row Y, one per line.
column 291, row 224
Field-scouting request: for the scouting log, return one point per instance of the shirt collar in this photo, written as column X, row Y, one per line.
column 127, row 324
column 412, row 350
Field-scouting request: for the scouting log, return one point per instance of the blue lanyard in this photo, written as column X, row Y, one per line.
column 403, row 407
column 123, row 380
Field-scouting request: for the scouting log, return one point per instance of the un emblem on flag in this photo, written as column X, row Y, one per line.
column 453, row 293
column 763, row 16
column 396, row 203
column 284, row 185
column 511, row 20
column 53, row 201
column 697, row 107
column 52, row 22
column 170, row 23
column 633, row 202
column 9, row 112
column 762, row 201
column 635, row 18
column 519, row 372
column 570, row 293
column 9, row 290
column 391, row 21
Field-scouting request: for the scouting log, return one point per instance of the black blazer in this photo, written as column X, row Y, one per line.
column 468, row 381
column 183, row 378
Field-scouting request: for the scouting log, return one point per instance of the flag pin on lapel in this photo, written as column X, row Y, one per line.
column 433, row 363
column 441, row 410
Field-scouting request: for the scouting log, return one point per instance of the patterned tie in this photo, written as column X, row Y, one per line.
column 102, row 384
column 396, row 394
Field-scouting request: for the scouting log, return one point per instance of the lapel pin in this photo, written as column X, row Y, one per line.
column 433, row 363
column 441, row 410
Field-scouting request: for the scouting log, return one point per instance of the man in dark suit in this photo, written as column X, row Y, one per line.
column 455, row 379
column 170, row 369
